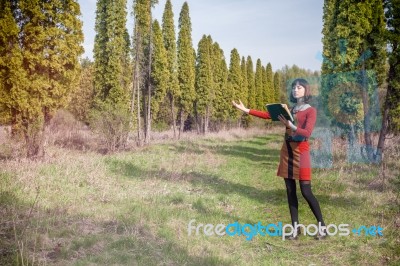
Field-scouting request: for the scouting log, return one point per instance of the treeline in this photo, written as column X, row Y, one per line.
column 152, row 77
column 160, row 80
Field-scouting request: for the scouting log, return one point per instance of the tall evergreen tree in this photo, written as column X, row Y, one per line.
column 235, row 79
column 264, row 87
column 244, row 92
column 220, row 76
column 277, row 87
column 391, row 108
column 142, row 54
column 159, row 73
column 186, row 65
column 168, row 29
column 258, row 81
column 203, row 83
column 354, row 52
column 43, row 64
column 109, row 52
column 269, row 84
column 82, row 100
column 251, row 83
column 11, row 76
column 244, row 95
column 111, row 109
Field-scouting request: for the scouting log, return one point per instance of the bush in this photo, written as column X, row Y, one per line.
column 111, row 122
column 66, row 131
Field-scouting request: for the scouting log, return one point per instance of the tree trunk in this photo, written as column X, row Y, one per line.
column 136, row 87
column 386, row 119
column 382, row 136
column 171, row 99
column 149, row 85
column 198, row 118
column 15, row 130
column 148, row 116
column 36, row 133
column 139, row 138
column 144, row 108
column 181, row 124
column 207, row 119
column 367, row 120
column 203, row 124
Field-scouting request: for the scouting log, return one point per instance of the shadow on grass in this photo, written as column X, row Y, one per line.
column 86, row 241
column 197, row 179
column 8, row 246
column 257, row 152
column 249, row 153
column 262, row 141
column 225, row 187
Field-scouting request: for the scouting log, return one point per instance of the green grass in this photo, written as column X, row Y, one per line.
column 133, row 208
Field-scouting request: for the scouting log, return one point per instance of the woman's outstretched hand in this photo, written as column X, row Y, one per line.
column 241, row 106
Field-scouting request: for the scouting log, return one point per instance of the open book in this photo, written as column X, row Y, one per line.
column 276, row 109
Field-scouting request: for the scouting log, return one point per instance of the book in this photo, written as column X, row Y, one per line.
column 276, row 109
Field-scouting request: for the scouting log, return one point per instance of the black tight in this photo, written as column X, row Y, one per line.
column 305, row 187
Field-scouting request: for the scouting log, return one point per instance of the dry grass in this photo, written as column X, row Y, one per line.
column 71, row 189
column 78, row 206
column 67, row 132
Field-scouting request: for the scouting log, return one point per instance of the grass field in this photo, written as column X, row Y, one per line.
column 133, row 208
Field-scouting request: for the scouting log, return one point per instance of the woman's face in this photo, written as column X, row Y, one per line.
column 298, row 91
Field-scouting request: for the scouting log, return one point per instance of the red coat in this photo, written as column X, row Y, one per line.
column 295, row 162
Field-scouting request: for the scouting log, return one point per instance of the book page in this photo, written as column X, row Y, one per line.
column 288, row 111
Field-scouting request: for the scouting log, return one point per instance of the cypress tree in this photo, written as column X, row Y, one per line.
column 244, row 93
column 264, row 87
column 186, row 65
column 142, row 54
column 82, row 100
column 354, row 52
column 109, row 51
column 393, row 91
column 44, row 64
column 204, row 83
column 269, row 84
column 159, row 73
column 222, row 101
column 258, row 81
column 235, row 79
column 168, row 30
column 111, row 110
column 277, row 87
column 391, row 108
column 251, row 83
column 12, row 77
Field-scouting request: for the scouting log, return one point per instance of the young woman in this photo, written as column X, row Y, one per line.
column 295, row 163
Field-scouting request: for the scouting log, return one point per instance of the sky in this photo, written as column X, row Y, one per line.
column 280, row 32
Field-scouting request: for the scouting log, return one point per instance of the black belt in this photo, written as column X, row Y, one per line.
column 295, row 138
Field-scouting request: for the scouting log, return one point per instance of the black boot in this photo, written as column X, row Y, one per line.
column 294, row 236
column 322, row 236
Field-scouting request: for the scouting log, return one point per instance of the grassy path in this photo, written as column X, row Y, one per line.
column 134, row 208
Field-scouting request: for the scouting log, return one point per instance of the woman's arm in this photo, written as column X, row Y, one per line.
column 260, row 114
column 256, row 113
column 310, row 119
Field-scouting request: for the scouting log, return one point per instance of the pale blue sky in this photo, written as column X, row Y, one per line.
column 282, row 32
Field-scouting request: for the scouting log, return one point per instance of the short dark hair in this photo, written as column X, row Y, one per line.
column 307, row 92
